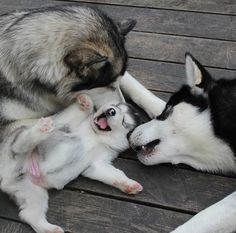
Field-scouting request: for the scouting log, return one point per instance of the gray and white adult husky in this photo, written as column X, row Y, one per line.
column 198, row 128
column 57, row 149
column 49, row 54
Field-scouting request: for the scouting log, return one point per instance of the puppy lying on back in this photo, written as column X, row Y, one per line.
column 57, row 149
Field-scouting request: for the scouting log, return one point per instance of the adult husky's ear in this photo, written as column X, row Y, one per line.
column 126, row 26
column 196, row 74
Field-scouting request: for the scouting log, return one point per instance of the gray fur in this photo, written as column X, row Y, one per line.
column 48, row 54
column 50, row 158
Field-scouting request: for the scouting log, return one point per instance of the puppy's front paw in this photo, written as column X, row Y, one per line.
column 45, row 125
column 55, row 229
column 133, row 188
column 129, row 187
column 85, row 102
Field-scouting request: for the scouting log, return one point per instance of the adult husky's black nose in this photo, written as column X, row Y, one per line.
column 110, row 112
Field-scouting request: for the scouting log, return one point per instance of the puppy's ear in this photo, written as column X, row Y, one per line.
column 196, row 74
column 85, row 58
column 126, row 26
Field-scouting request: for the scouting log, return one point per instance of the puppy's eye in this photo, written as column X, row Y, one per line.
column 111, row 112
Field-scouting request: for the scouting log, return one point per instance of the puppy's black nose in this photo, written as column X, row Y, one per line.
column 111, row 112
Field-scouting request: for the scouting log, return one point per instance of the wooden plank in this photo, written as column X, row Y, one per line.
column 11, row 5
column 175, row 22
column 164, row 76
column 213, row 6
column 159, row 21
column 13, row 227
column 167, row 186
column 172, row 48
column 162, row 95
column 81, row 212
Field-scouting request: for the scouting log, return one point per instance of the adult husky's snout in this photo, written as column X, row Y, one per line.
column 142, row 135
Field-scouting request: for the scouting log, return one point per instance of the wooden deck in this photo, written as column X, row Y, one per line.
column 166, row 29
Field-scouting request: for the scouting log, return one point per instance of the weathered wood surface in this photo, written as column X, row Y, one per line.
column 198, row 190
column 7, row 226
column 212, row 6
column 175, row 22
column 82, row 213
column 166, row 29
column 173, row 48
column 165, row 76
column 158, row 21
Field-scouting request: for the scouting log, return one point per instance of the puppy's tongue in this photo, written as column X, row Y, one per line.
column 102, row 122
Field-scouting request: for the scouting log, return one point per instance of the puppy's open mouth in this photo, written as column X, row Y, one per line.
column 148, row 148
column 101, row 122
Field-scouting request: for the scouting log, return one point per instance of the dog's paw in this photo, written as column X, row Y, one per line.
column 133, row 188
column 129, row 187
column 45, row 125
column 85, row 102
column 54, row 229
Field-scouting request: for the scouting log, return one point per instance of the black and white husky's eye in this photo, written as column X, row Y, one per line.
column 111, row 112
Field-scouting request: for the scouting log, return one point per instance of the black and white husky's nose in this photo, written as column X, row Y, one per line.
column 110, row 112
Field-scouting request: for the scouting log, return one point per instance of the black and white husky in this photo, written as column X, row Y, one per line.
column 57, row 149
column 198, row 128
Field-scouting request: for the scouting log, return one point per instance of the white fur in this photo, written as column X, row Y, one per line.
column 40, row 157
column 186, row 137
column 152, row 105
column 193, row 74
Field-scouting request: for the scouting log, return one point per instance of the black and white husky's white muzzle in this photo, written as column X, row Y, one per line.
column 145, row 141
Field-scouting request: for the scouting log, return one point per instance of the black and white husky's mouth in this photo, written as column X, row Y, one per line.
column 148, row 148
column 102, row 123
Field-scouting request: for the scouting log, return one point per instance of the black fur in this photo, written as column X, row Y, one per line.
column 219, row 97
column 104, row 78
column 183, row 95
column 222, row 101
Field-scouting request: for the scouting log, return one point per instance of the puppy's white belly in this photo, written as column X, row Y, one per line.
column 63, row 162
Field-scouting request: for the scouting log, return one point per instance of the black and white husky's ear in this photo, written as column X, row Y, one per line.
column 196, row 74
column 126, row 26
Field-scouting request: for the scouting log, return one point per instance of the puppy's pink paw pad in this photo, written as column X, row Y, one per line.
column 133, row 188
column 85, row 102
column 46, row 125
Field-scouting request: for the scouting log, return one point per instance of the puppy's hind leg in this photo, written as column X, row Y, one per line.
column 110, row 175
column 27, row 139
column 33, row 204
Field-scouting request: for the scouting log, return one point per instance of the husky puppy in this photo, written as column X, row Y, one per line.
column 198, row 128
column 59, row 148
column 49, row 54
